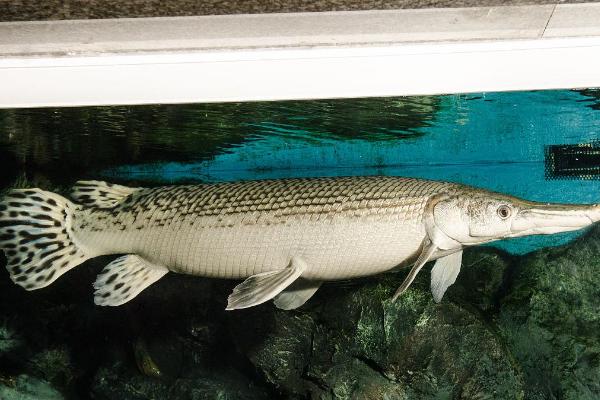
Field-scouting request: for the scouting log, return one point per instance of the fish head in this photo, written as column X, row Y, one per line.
column 476, row 217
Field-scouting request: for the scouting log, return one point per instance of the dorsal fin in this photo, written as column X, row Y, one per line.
column 100, row 194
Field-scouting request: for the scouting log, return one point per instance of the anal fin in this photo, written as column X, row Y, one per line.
column 260, row 288
column 296, row 294
column 125, row 278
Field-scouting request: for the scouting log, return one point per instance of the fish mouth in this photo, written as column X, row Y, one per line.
column 545, row 219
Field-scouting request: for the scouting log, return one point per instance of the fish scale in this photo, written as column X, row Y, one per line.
column 233, row 230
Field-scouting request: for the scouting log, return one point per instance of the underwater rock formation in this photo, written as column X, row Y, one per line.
column 355, row 343
column 511, row 328
column 550, row 320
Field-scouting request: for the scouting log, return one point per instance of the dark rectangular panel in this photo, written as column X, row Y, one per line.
column 579, row 161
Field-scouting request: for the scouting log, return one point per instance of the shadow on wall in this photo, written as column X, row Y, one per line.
column 63, row 143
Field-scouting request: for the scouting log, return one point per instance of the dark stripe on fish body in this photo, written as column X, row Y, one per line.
column 43, row 217
column 112, row 278
column 50, row 275
column 48, row 263
column 48, row 253
column 28, row 259
column 20, row 205
column 14, row 261
column 7, row 236
column 28, row 237
column 23, row 223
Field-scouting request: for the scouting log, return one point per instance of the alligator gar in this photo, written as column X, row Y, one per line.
column 283, row 237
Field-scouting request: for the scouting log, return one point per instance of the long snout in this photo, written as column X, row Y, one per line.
column 540, row 218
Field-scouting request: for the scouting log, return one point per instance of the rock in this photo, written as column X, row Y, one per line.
column 481, row 279
column 550, row 319
column 277, row 343
column 357, row 380
column 119, row 382
column 358, row 344
column 25, row 387
column 54, row 365
column 9, row 339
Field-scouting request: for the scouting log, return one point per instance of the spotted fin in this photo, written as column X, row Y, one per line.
column 296, row 294
column 260, row 288
column 100, row 194
column 36, row 236
column 125, row 278
column 444, row 273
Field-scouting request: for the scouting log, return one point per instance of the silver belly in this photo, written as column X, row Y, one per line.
column 335, row 250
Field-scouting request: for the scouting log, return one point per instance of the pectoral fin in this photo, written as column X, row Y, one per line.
column 426, row 253
column 260, row 288
column 296, row 294
column 444, row 274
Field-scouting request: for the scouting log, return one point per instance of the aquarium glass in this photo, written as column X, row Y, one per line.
column 522, row 320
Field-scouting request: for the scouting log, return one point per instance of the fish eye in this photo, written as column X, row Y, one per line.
column 503, row 211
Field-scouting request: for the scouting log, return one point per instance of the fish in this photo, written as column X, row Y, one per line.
column 283, row 238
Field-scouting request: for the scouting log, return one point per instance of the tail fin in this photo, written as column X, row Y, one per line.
column 36, row 236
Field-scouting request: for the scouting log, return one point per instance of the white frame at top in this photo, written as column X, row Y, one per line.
column 299, row 56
